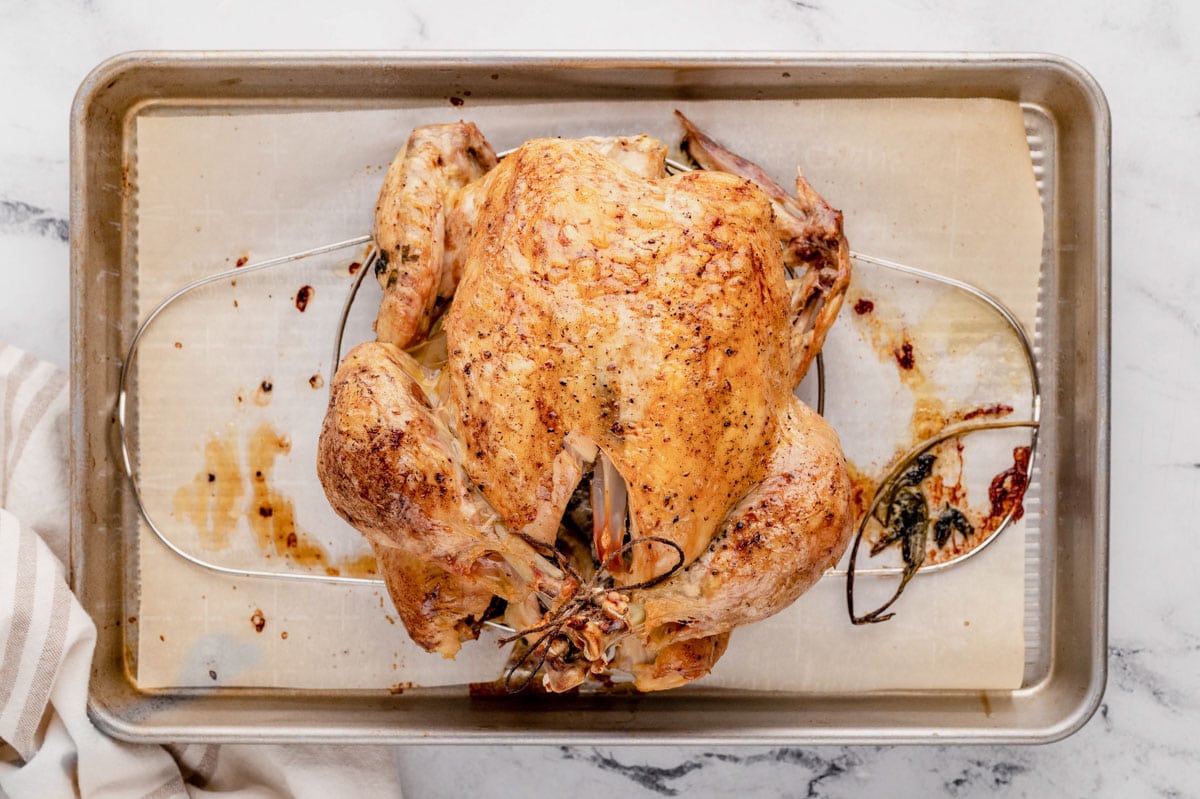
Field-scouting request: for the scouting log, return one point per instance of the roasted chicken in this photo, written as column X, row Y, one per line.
column 579, row 412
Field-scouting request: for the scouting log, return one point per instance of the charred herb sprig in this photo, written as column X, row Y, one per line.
column 906, row 518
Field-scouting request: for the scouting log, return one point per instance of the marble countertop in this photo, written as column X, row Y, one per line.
column 1146, row 56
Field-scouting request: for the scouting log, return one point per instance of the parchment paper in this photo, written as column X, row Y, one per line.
column 945, row 185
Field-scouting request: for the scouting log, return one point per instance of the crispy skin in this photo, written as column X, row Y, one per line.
column 812, row 237
column 679, row 663
column 388, row 465
column 775, row 543
column 418, row 203
column 440, row 610
column 602, row 312
column 426, row 212
column 648, row 316
column 641, row 155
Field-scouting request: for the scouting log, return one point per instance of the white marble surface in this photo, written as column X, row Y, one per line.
column 1144, row 741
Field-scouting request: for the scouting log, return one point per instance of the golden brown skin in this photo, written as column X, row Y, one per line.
column 440, row 610
column 419, row 205
column 773, row 545
column 812, row 236
column 389, row 466
column 648, row 316
column 678, row 663
column 601, row 304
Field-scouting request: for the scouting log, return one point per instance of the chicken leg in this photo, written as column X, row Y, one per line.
column 774, row 544
column 389, row 466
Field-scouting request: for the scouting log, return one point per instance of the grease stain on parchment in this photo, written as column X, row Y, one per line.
column 212, row 501
column 897, row 344
column 215, row 501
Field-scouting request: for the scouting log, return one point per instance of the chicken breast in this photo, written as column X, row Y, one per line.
column 647, row 316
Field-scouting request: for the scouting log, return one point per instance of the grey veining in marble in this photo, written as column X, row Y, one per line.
column 1145, row 741
column 22, row 219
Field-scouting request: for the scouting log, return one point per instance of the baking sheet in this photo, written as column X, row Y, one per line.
column 943, row 184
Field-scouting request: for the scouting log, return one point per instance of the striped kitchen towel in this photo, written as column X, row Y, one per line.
column 34, row 446
column 48, row 747
column 33, row 627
